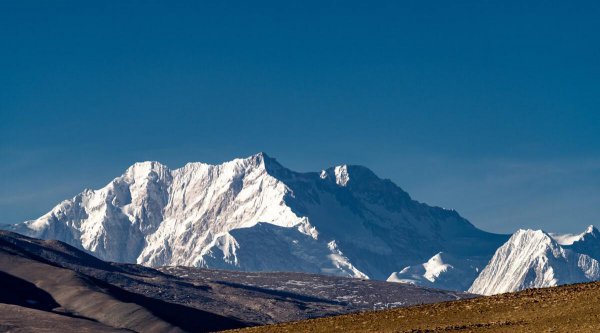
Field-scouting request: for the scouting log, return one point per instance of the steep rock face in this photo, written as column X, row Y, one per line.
column 254, row 214
column 533, row 259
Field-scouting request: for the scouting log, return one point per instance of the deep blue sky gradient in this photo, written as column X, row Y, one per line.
column 488, row 107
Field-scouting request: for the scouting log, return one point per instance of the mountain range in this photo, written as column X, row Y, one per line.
column 253, row 214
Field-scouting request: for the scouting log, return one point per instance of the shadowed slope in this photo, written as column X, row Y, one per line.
column 82, row 295
column 189, row 298
column 17, row 319
column 23, row 293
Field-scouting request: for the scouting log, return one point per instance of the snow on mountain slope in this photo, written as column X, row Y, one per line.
column 442, row 271
column 566, row 239
column 253, row 214
column 587, row 242
column 533, row 259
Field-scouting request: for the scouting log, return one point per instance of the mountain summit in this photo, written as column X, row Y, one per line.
column 254, row 214
column 533, row 259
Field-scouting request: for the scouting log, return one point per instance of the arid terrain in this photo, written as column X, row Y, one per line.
column 571, row 308
column 50, row 286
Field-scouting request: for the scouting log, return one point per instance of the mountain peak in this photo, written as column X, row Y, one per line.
column 534, row 259
column 147, row 170
column 531, row 233
column 528, row 236
column 341, row 175
column 146, row 166
column 591, row 230
column 261, row 159
column 570, row 239
column 261, row 154
column 590, row 233
column 344, row 173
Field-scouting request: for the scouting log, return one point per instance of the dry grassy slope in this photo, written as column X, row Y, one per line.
column 572, row 308
column 48, row 291
column 13, row 317
column 199, row 299
column 76, row 294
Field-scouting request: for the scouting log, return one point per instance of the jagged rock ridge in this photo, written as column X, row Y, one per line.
column 253, row 214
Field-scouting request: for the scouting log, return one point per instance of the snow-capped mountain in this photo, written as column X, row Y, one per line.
column 587, row 242
column 253, row 214
column 533, row 259
column 442, row 271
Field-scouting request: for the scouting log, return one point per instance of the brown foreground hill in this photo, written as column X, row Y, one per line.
column 572, row 308
column 49, row 286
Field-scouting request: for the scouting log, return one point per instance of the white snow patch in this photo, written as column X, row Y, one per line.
column 341, row 175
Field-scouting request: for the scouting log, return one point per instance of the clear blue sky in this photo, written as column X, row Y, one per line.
column 488, row 107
